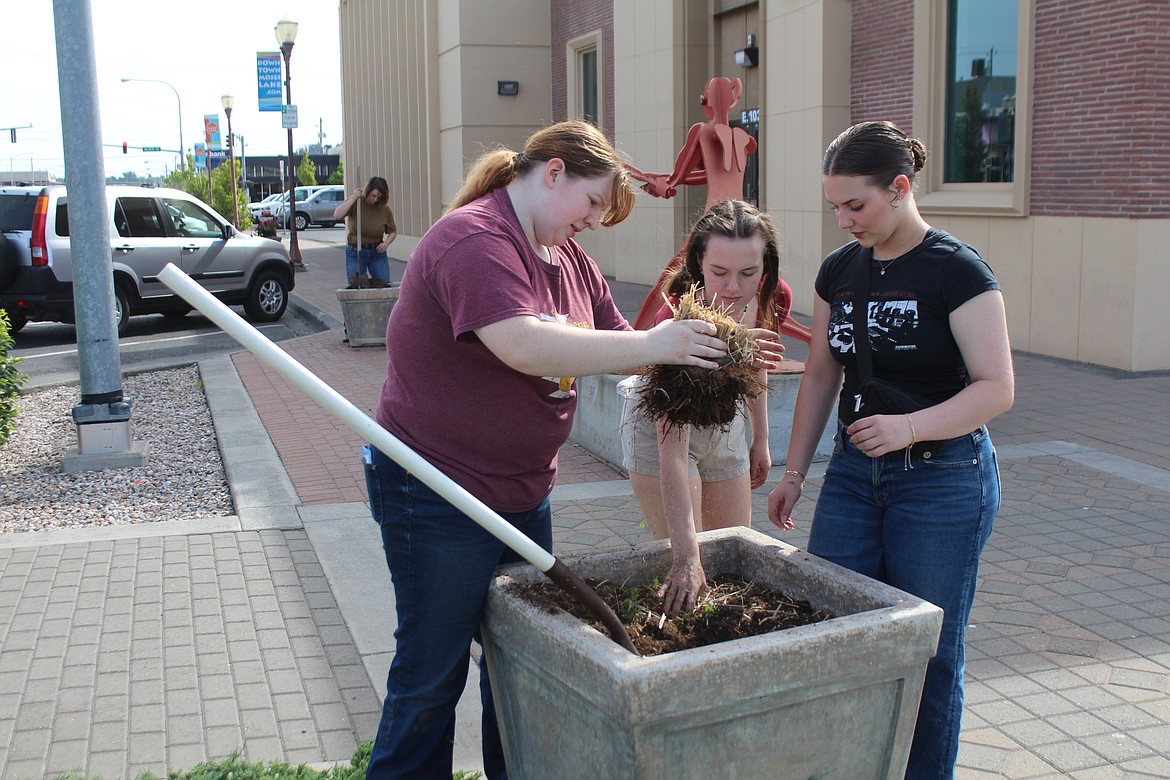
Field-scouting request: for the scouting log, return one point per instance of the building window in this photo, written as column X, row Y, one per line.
column 588, row 71
column 584, row 57
column 972, row 77
column 981, row 90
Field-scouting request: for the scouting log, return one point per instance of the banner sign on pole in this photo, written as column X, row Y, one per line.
column 211, row 131
column 200, row 155
column 268, row 80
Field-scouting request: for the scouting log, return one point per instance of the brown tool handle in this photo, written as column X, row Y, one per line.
column 571, row 583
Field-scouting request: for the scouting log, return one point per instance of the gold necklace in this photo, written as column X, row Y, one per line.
column 884, row 264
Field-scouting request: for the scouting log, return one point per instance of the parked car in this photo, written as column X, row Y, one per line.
column 148, row 229
column 315, row 209
column 255, row 207
column 273, row 207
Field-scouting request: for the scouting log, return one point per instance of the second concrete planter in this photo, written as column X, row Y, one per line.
column 835, row 699
column 366, row 312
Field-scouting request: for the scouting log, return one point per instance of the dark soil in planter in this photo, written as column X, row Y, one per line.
column 733, row 608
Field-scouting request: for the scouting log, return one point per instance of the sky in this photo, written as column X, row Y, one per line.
column 164, row 40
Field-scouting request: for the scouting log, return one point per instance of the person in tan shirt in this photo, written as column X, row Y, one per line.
column 369, row 208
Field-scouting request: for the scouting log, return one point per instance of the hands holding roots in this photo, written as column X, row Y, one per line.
column 687, row 395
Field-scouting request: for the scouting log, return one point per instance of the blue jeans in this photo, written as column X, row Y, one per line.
column 441, row 563
column 920, row 529
column 373, row 262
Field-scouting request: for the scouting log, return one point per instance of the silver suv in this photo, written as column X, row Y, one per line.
column 275, row 208
column 315, row 208
column 148, row 229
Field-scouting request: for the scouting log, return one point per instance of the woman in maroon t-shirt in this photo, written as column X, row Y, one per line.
column 499, row 309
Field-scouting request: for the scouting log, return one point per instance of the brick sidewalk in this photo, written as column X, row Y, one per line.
column 135, row 654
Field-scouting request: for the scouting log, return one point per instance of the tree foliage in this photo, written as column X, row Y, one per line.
column 10, row 381
column 194, row 181
column 306, row 171
column 338, row 176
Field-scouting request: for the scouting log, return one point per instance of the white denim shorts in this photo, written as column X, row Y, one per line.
column 715, row 454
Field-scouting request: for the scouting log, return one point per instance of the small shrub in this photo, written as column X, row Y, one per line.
column 236, row 768
column 10, row 381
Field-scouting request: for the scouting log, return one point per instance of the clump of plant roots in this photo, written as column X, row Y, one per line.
column 688, row 395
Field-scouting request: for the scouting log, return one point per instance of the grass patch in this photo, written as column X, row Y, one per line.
column 236, row 768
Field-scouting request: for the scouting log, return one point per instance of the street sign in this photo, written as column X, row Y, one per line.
column 268, row 80
column 288, row 117
column 211, row 131
column 152, row 148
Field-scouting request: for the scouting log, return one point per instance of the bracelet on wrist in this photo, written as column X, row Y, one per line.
column 913, row 433
column 797, row 474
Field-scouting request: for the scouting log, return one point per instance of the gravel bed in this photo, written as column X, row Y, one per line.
column 183, row 478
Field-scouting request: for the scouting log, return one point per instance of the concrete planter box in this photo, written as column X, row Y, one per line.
column 836, row 699
column 598, row 421
column 366, row 312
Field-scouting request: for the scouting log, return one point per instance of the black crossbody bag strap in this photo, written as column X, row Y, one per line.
column 861, row 323
column 861, row 314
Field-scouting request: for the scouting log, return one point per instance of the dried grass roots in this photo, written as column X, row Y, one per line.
column 687, row 395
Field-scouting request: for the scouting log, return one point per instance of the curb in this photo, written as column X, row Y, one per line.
column 307, row 312
column 262, row 492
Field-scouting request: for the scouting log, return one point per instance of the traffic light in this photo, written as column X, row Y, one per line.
column 13, row 130
column 124, row 148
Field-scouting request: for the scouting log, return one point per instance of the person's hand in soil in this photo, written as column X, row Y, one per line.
column 684, row 584
column 686, row 580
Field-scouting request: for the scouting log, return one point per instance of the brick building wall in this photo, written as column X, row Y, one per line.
column 882, row 62
column 571, row 18
column 1101, row 99
column 1101, row 109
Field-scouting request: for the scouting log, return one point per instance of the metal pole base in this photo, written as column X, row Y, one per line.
column 104, row 445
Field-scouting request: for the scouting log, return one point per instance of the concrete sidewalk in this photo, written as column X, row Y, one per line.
column 151, row 648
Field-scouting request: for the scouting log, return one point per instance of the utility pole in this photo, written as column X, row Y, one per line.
column 103, row 414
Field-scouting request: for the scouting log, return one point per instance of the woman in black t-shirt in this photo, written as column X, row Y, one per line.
column 916, row 519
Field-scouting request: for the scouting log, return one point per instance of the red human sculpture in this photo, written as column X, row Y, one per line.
column 714, row 154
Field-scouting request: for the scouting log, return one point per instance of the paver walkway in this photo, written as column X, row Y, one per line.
column 154, row 647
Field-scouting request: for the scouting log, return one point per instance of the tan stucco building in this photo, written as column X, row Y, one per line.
column 1070, row 201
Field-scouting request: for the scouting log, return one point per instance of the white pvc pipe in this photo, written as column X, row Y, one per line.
column 357, row 420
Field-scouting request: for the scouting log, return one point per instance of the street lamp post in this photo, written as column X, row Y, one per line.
column 11, row 162
column 227, row 101
column 182, row 154
column 244, row 166
column 286, row 34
